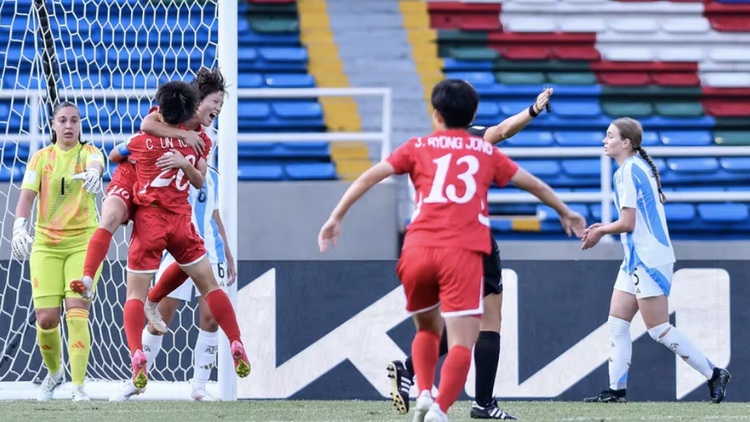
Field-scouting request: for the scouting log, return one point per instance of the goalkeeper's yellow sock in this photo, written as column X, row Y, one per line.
column 50, row 347
column 79, row 343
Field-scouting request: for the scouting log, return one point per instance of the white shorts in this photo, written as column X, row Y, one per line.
column 646, row 282
column 185, row 292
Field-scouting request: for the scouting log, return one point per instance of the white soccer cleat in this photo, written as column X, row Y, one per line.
column 424, row 401
column 48, row 386
column 84, row 287
column 127, row 391
column 79, row 394
column 200, row 394
column 436, row 414
column 154, row 317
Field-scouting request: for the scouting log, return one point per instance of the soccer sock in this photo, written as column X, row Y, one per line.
column 96, row 251
column 676, row 341
column 151, row 346
column 453, row 376
column 134, row 318
column 204, row 357
column 620, row 352
column 424, row 350
column 223, row 312
column 486, row 358
column 50, row 347
column 79, row 343
column 171, row 279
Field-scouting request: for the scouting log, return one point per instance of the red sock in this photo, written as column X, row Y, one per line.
column 425, row 354
column 96, row 251
column 172, row 278
column 223, row 312
column 453, row 376
column 134, row 318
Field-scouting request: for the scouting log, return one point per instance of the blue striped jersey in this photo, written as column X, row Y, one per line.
column 204, row 201
column 649, row 243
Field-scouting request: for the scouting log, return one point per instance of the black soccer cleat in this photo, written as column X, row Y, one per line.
column 491, row 411
column 608, row 396
column 717, row 385
column 401, row 382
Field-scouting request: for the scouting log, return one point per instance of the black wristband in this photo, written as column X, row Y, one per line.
column 531, row 111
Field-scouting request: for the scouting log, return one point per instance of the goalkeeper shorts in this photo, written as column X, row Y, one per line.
column 52, row 270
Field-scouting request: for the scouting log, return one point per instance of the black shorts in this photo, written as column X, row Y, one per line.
column 493, row 271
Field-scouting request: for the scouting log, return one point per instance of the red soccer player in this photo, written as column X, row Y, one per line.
column 163, row 221
column 441, row 261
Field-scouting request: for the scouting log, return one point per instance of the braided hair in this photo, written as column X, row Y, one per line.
column 632, row 130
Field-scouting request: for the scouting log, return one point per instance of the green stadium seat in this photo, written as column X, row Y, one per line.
column 656, row 91
column 732, row 123
column 572, row 78
column 682, row 109
column 455, row 36
column 723, row 137
column 520, row 78
column 473, row 53
column 274, row 25
column 272, row 8
column 616, row 109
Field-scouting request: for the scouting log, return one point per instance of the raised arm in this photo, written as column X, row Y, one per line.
column 512, row 125
column 153, row 125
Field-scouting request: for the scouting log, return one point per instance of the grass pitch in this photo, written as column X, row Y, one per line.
column 355, row 411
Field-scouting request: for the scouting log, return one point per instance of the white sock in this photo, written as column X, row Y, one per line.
column 682, row 346
column 151, row 346
column 204, row 357
column 620, row 352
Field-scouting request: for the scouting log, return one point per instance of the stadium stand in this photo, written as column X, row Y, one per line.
column 680, row 67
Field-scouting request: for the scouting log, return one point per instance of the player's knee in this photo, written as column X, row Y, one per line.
column 208, row 323
column 658, row 332
column 47, row 320
column 110, row 221
column 618, row 326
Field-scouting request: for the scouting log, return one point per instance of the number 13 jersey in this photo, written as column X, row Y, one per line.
column 452, row 172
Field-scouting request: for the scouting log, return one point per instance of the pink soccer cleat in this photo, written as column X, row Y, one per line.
column 139, row 365
column 241, row 364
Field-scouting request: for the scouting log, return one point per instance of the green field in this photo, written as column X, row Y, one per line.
column 352, row 411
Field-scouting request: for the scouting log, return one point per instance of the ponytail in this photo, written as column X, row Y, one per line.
column 650, row 162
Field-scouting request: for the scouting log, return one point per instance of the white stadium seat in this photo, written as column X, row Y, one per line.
column 625, row 54
column 725, row 80
column 639, row 25
column 730, row 54
column 527, row 24
column 581, row 25
column 686, row 25
column 681, row 54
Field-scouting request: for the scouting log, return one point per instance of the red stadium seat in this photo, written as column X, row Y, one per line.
column 523, row 52
column 727, row 108
column 676, row 78
column 466, row 16
column 730, row 23
column 545, row 38
column 625, row 79
column 583, row 53
column 608, row 66
column 708, row 92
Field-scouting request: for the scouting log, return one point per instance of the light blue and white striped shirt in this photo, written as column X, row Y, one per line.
column 649, row 243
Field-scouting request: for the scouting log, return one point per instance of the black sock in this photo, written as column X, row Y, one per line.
column 444, row 343
column 486, row 358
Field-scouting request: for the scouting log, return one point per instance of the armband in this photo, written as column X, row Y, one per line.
column 123, row 150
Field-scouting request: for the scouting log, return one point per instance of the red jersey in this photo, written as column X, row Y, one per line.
column 167, row 189
column 452, row 172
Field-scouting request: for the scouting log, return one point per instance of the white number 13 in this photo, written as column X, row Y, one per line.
column 438, row 184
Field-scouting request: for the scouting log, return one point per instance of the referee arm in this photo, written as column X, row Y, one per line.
column 512, row 125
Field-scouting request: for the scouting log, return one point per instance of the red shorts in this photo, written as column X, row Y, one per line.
column 122, row 184
column 450, row 277
column 156, row 230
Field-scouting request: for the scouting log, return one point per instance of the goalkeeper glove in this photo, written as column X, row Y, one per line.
column 22, row 240
column 91, row 180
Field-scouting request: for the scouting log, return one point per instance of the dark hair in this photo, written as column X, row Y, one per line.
column 207, row 81
column 632, row 130
column 177, row 102
column 456, row 101
column 61, row 105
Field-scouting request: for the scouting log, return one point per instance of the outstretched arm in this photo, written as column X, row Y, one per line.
column 512, row 125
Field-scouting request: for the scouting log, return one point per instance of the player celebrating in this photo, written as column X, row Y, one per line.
column 163, row 221
column 118, row 207
column 645, row 276
column 66, row 219
column 487, row 349
column 206, row 217
column 441, row 260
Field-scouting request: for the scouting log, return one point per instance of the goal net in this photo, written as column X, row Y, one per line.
column 107, row 56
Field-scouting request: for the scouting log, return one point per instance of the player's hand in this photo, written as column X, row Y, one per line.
column 330, row 232
column 172, row 159
column 92, row 180
column 542, row 100
column 195, row 142
column 22, row 240
column 573, row 224
column 592, row 227
column 232, row 274
column 592, row 237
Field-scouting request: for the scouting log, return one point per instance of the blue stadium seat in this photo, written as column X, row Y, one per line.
column 14, row 173
column 687, row 138
column 283, row 54
column 14, row 150
column 96, row 114
column 723, row 213
column 540, row 168
column 488, row 111
column 254, row 111
column 735, row 164
column 260, row 172
column 306, row 149
column 453, row 65
column 650, row 139
column 250, row 80
column 596, row 212
column 530, row 139
column 574, row 90
column 315, row 171
column 474, row 78
column 297, row 110
column 510, row 108
column 289, row 81
column 693, row 165
column 680, row 123
column 548, row 213
column 582, row 167
column 130, row 80
column 579, row 139
column 257, row 149
column 679, row 212
column 580, row 109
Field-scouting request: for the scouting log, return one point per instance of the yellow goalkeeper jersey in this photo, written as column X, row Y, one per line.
column 66, row 214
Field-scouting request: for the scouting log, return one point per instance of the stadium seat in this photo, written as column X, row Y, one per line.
column 474, row 78
column 675, row 79
column 294, row 110
column 627, row 109
column 723, row 213
column 687, row 138
column 732, row 138
column 682, row 109
column 582, row 167
column 520, row 78
column 679, row 212
column 650, row 139
column 625, row 79
column 579, row 139
column 540, row 168
column 735, row 164
column 14, row 173
column 572, row 78
column 577, row 108
column 727, row 108
column 260, row 172
column 316, row 171
column 255, row 111
column 693, row 165
column 289, row 81
column 529, row 138
column 250, row 80
column 474, row 53
column 548, row 213
column 488, row 111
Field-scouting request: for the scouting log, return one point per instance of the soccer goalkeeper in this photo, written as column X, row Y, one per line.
column 66, row 176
